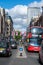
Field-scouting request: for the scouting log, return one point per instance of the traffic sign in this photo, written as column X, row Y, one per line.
column 21, row 49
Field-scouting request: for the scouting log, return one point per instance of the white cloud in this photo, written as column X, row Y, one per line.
column 19, row 14
column 36, row 4
column 17, row 26
column 21, row 29
column 25, row 21
column 20, row 10
column 20, row 21
column 6, row 10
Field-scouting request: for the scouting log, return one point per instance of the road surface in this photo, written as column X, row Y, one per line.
column 27, row 58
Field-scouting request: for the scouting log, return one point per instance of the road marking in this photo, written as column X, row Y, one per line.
column 23, row 53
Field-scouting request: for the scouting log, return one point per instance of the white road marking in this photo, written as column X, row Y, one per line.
column 23, row 53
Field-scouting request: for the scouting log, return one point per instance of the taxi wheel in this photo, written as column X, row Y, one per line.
column 9, row 54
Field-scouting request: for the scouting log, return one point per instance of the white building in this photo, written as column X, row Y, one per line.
column 32, row 12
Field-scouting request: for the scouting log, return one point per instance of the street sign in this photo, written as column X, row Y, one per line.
column 21, row 49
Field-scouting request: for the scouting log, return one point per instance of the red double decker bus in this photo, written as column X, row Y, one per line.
column 35, row 36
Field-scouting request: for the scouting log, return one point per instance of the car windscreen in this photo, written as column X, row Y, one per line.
column 37, row 30
column 34, row 41
column 3, row 44
column 13, row 42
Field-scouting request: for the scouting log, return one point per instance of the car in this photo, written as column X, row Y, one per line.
column 41, row 53
column 13, row 45
column 33, row 45
column 5, row 48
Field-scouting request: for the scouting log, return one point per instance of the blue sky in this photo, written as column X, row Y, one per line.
column 10, row 3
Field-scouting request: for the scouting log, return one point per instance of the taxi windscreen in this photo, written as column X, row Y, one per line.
column 2, row 44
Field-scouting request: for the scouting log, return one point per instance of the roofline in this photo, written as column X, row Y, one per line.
column 36, row 27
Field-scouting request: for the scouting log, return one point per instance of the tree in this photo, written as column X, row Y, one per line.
column 17, row 37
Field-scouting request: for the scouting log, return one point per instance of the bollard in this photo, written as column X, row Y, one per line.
column 21, row 50
column 20, row 54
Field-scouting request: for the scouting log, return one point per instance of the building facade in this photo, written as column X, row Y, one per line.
column 40, row 20
column 32, row 12
column 6, row 24
column 2, row 22
column 9, row 26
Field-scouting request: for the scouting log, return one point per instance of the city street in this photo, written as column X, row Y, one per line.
column 27, row 58
column 21, row 32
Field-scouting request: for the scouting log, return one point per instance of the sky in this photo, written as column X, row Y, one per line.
column 17, row 9
column 11, row 3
